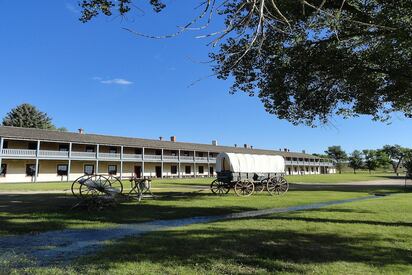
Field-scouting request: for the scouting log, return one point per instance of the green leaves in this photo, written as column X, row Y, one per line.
column 28, row 116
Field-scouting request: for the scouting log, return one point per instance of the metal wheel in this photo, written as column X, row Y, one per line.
column 260, row 186
column 76, row 185
column 116, row 183
column 219, row 188
column 96, row 185
column 244, row 188
column 277, row 186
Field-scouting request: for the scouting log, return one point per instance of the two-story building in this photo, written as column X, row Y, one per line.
column 34, row 155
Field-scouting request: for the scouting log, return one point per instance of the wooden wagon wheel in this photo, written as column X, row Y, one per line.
column 260, row 186
column 277, row 186
column 244, row 188
column 219, row 188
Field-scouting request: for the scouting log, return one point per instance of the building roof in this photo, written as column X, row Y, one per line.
column 58, row 136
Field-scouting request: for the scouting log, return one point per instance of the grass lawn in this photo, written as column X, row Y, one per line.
column 367, row 237
column 341, row 178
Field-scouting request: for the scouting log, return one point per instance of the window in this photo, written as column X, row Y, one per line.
column 186, row 154
column 113, row 150
column 62, row 169
column 5, row 144
column 89, row 169
column 173, row 169
column 200, row 154
column 211, row 170
column 201, row 170
column 64, row 148
column 90, row 149
column 138, row 151
column 158, row 152
column 188, row 169
column 32, row 146
column 30, row 170
column 3, row 170
column 112, row 169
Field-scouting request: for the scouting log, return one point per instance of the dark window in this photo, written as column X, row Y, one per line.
column 211, row 170
column 3, row 170
column 307, row 169
column 173, row 169
column 63, row 147
column 89, row 148
column 62, row 169
column 174, row 153
column 113, row 150
column 112, row 169
column 188, row 169
column 32, row 146
column 201, row 170
column 30, row 170
column 200, row 154
column 186, row 154
column 89, row 169
column 5, row 144
column 138, row 151
column 158, row 152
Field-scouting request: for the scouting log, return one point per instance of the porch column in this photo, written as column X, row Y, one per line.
column 179, row 173
column 36, row 173
column 161, row 157
column 194, row 164
column 69, row 166
column 143, row 162
column 121, row 162
column 208, row 164
column 97, row 159
column 1, row 151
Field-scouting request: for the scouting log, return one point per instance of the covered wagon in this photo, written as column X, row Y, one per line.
column 249, row 173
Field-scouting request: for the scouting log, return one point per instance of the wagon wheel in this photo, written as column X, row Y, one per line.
column 244, row 188
column 219, row 188
column 116, row 183
column 260, row 186
column 277, row 186
column 76, row 185
column 98, row 185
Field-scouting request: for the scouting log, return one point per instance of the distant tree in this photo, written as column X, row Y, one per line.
column 407, row 163
column 28, row 116
column 371, row 160
column 396, row 153
column 338, row 155
column 355, row 160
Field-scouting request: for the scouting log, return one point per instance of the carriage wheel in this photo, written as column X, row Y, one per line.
column 277, row 186
column 76, row 185
column 95, row 185
column 219, row 188
column 260, row 186
column 244, row 188
column 116, row 183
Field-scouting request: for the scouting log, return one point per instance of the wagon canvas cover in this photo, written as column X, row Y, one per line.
column 249, row 163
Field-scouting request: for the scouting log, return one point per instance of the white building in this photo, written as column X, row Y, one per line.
column 34, row 155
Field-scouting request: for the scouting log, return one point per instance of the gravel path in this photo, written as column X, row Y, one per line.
column 62, row 246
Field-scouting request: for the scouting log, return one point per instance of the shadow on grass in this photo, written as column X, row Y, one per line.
column 220, row 250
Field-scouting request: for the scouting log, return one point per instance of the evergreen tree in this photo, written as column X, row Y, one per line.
column 28, row 116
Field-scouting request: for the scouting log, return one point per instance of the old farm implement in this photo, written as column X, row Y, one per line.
column 247, row 173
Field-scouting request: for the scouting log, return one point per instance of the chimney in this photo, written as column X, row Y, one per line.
column 160, row 138
column 245, row 145
column 235, row 145
column 173, row 138
column 303, row 151
column 81, row 131
column 251, row 146
column 214, row 142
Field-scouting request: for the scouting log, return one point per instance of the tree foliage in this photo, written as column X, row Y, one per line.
column 355, row 160
column 308, row 60
column 28, row 116
column 396, row 154
column 338, row 155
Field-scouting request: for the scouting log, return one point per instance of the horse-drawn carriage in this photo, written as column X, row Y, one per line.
column 248, row 173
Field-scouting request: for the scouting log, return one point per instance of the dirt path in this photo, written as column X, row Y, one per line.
column 60, row 247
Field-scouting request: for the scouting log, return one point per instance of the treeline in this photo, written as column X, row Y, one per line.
column 394, row 156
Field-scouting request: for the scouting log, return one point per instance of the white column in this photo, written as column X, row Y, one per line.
column 143, row 162
column 37, row 161
column 179, row 171
column 121, row 162
column 194, row 164
column 69, row 166
column 1, row 151
column 162, row 165
column 97, row 159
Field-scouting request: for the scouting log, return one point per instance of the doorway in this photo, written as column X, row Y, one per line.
column 138, row 171
column 158, row 171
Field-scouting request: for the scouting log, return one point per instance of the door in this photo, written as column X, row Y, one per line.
column 211, row 170
column 138, row 171
column 158, row 171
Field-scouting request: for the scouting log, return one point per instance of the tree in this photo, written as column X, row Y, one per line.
column 338, row 155
column 28, row 116
column 396, row 154
column 371, row 160
column 355, row 161
column 306, row 60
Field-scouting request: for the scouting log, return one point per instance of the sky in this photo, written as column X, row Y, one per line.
column 101, row 78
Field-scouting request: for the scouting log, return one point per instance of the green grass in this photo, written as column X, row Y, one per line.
column 341, row 178
column 367, row 237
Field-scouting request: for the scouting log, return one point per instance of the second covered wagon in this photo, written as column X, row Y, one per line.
column 249, row 173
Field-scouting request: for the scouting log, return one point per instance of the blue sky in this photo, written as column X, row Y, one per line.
column 101, row 78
